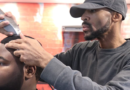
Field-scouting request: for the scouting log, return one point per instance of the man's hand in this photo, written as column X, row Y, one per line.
column 5, row 23
column 30, row 52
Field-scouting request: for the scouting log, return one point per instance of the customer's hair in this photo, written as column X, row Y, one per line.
column 10, row 38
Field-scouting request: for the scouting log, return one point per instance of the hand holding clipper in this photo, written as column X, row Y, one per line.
column 12, row 27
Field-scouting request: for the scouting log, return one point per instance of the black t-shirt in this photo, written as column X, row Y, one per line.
column 101, row 65
column 102, row 69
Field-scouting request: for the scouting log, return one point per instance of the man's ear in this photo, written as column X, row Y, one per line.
column 29, row 71
column 116, row 17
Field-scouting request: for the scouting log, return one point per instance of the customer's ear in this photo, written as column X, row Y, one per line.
column 29, row 71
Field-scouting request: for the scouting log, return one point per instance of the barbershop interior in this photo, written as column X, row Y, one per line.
column 50, row 22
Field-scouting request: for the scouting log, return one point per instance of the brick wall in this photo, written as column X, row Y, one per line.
column 126, row 25
column 44, row 22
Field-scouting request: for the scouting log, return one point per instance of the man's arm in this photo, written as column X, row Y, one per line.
column 64, row 78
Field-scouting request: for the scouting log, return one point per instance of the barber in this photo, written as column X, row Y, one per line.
column 103, row 64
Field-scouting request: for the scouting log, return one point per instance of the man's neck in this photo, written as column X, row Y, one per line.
column 111, row 40
column 28, row 86
column 111, row 44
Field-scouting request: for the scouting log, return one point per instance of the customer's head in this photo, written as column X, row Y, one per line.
column 15, row 75
column 99, row 16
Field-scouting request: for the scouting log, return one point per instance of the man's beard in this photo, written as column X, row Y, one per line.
column 99, row 33
column 14, row 84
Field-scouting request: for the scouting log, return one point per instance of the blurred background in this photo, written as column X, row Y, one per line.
column 49, row 22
